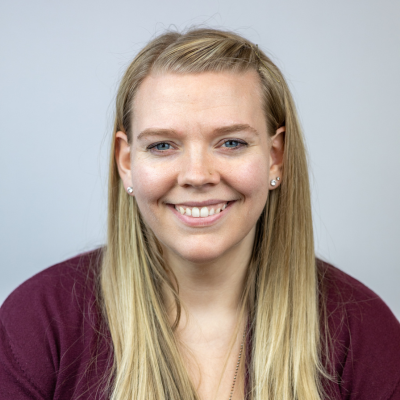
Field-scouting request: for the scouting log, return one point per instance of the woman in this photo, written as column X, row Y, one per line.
column 208, row 287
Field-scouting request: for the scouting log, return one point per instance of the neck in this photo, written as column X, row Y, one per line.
column 211, row 290
column 211, row 325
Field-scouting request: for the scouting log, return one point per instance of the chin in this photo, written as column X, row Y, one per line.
column 205, row 252
column 200, row 258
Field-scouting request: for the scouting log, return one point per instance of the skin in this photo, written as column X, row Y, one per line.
column 212, row 144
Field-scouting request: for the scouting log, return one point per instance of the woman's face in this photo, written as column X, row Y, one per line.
column 200, row 161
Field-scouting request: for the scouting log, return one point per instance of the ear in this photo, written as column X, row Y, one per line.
column 123, row 158
column 277, row 144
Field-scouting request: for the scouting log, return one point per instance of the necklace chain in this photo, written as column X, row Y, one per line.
column 237, row 365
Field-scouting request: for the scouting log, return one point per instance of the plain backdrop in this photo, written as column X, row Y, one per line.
column 61, row 62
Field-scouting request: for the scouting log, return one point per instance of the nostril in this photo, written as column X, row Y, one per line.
column 197, row 177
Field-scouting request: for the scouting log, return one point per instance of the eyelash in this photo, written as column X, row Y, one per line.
column 152, row 146
column 241, row 143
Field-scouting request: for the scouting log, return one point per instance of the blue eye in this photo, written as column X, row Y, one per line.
column 163, row 146
column 232, row 143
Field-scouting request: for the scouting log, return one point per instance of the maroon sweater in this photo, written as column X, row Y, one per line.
column 50, row 334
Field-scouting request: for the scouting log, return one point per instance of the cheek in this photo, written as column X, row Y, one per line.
column 150, row 182
column 251, row 178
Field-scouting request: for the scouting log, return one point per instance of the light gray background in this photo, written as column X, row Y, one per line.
column 60, row 65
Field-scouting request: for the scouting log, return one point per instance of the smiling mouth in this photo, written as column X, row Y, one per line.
column 201, row 212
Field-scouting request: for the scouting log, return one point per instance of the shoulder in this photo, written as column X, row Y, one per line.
column 66, row 272
column 57, row 288
column 349, row 299
column 48, row 325
column 365, row 336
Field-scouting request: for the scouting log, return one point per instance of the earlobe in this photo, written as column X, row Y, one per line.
column 123, row 158
column 276, row 157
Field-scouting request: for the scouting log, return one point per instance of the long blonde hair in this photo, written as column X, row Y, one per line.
column 281, row 287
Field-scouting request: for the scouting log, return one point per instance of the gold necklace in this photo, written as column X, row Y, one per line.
column 237, row 365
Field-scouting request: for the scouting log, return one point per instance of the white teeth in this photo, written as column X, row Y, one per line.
column 204, row 212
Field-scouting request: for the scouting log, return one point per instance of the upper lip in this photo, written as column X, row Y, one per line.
column 202, row 203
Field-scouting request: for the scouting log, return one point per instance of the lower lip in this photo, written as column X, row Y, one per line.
column 201, row 221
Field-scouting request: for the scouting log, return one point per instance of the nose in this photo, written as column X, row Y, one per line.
column 198, row 168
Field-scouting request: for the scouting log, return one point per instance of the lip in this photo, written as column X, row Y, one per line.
column 201, row 221
column 202, row 203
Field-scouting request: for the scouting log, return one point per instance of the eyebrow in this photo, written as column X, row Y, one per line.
column 218, row 131
column 236, row 128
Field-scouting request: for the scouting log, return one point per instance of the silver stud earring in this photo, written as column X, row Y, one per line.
column 273, row 182
column 129, row 190
column 277, row 178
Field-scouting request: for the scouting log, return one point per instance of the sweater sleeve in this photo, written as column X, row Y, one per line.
column 367, row 342
column 27, row 369
column 50, row 347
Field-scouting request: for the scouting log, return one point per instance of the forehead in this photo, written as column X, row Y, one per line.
column 208, row 99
